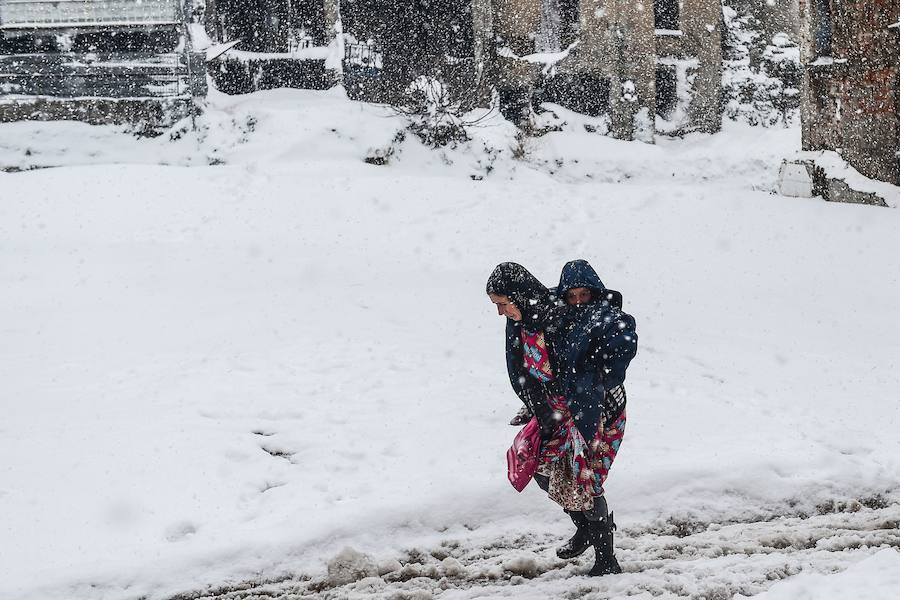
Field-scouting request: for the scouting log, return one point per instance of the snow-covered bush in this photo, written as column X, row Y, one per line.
column 435, row 116
column 766, row 93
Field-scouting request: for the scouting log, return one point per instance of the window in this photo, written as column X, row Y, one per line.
column 665, row 14
column 569, row 20
column 822, row 27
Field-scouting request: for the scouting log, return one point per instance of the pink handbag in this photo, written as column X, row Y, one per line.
column 523, row 456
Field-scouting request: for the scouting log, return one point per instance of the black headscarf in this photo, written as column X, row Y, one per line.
column 529, row 295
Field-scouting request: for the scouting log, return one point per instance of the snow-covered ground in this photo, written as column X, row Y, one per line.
column 231, row 358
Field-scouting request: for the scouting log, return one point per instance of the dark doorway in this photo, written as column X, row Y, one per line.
column 666, row 90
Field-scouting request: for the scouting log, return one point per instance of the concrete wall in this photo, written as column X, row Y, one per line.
column 632, row 41
column 701, row 24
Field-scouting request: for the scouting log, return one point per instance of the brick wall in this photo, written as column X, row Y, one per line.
column 853, row 105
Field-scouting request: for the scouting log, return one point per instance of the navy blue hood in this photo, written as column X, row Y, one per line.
column 579, row 274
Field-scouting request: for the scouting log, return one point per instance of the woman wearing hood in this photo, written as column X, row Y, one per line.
column 600, row 341
column 553, row 353
column 579, row 284
column 600, row 334
column 531, row 327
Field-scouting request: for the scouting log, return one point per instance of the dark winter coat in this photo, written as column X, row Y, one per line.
column 539, row 313
column 598, row 342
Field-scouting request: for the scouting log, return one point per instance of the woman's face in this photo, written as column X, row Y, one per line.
column 506, row 307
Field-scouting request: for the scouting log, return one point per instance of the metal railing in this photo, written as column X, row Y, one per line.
column 363, row 55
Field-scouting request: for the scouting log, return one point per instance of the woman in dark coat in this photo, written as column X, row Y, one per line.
column 592, row 303
column 561, row 362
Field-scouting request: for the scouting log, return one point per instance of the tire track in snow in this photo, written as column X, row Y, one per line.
column 674, row 558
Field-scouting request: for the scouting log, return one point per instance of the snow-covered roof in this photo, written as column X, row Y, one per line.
column 51, row 14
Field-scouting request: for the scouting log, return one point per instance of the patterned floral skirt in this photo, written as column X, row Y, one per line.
column 577, row 469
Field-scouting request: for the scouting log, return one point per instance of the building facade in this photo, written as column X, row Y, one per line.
column 98, row 61
column 851, row 82
column 651, row 65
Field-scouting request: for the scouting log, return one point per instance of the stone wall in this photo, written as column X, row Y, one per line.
column 701, row 41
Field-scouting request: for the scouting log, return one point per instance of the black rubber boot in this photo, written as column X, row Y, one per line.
column 600, row 534
column 579, row 542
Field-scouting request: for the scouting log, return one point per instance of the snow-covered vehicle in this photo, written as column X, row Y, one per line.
column 98, row 60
